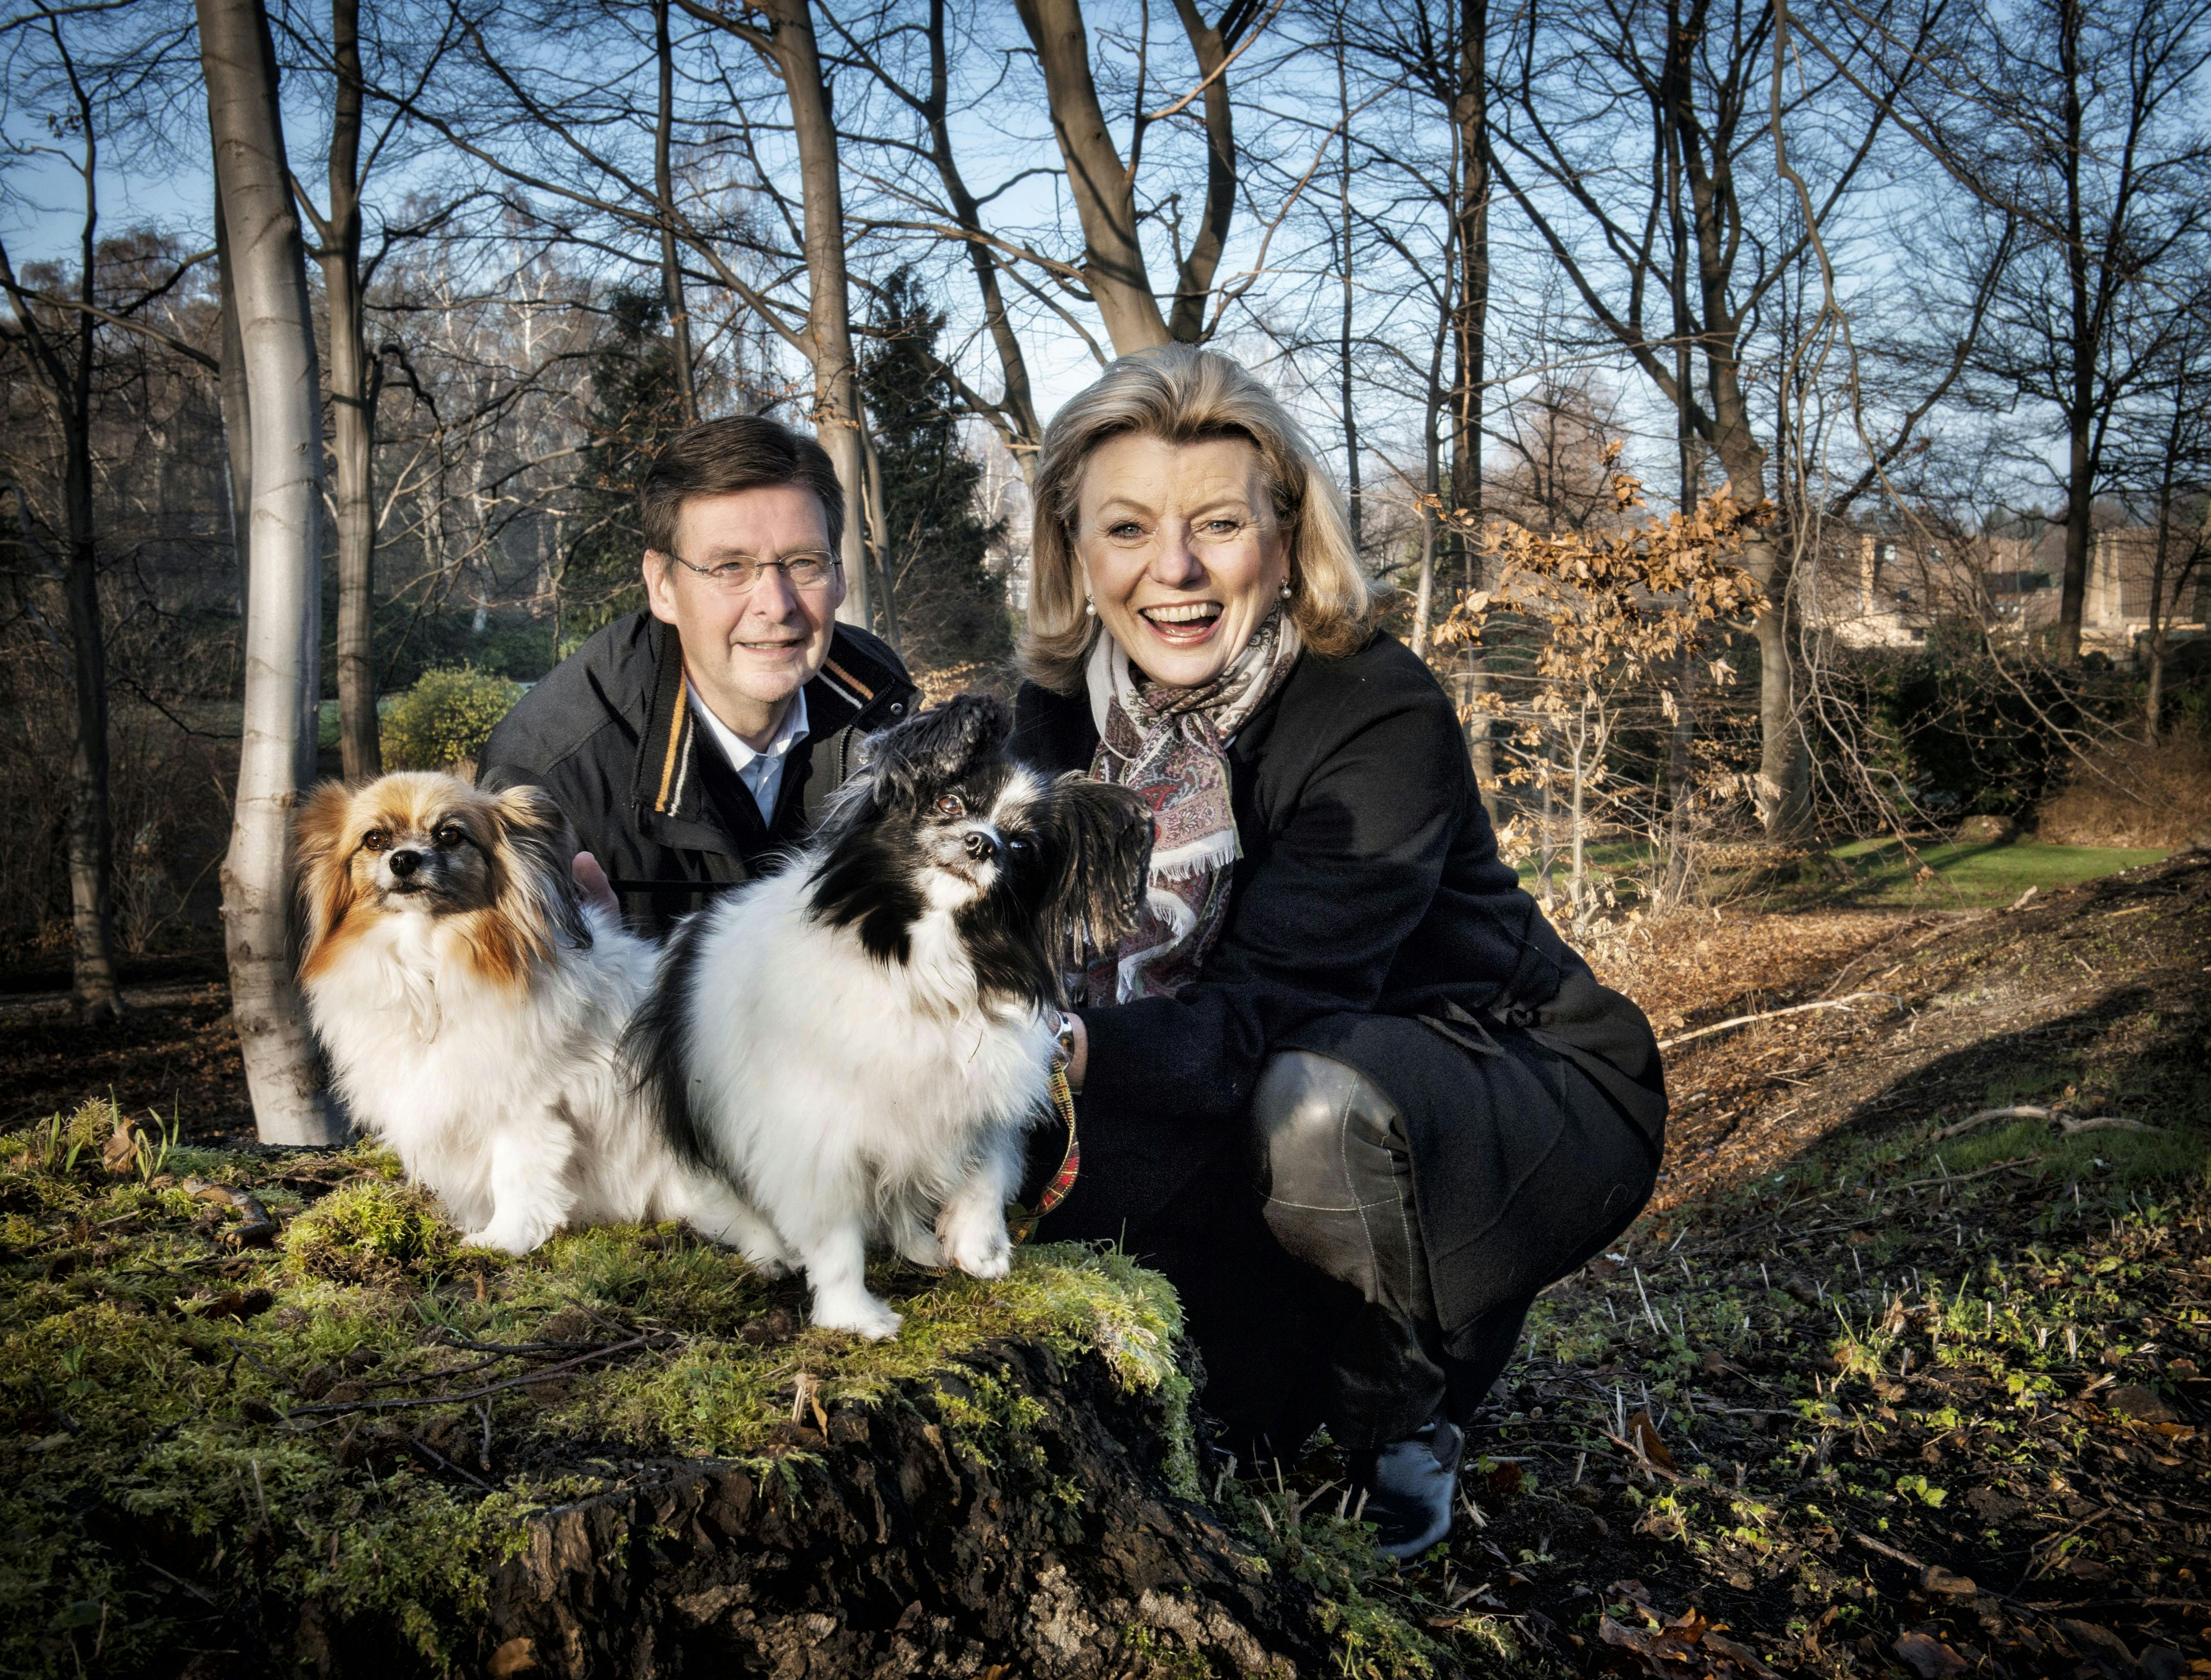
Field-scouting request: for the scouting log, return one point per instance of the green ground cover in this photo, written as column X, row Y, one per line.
column 1881, row 872
column 238, row 1402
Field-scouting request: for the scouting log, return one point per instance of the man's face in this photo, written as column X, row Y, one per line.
column 746, row 654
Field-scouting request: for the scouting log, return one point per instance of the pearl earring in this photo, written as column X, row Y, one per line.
column 1286, row 589
column 1089, row 608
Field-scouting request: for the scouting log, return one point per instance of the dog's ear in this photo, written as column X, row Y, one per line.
column 320, row 876
column 535, row 854
column 935, row 747
column 1102, row 837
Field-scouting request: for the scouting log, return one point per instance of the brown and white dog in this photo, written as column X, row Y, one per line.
column 472, row 1005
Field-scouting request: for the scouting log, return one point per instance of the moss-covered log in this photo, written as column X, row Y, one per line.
column 363, row 1449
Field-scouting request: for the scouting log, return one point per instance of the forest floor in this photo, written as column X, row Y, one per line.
column 1870, row 1390
column 1866, row 1391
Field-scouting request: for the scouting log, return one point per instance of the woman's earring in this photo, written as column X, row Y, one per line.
column 1089, row 608
column 1286, row 589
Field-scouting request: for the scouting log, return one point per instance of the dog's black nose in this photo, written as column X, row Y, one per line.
column 981, row 847
column 405, row 864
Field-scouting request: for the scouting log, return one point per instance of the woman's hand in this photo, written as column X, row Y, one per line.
column 1079, row 1060
column 591, row 882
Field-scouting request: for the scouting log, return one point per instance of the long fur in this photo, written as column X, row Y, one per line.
column 856, row 1045
column 472, row 1007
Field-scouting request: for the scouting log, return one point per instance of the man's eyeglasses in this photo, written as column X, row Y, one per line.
column 742, row 576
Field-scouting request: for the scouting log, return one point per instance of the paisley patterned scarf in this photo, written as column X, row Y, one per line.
column 1169, row 745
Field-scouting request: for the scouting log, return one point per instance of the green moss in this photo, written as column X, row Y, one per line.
column 166, row 1401
column 373, row 1232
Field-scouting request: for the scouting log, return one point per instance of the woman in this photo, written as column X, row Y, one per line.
column 1346, row 1087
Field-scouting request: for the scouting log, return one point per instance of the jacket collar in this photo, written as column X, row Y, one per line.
column 856, row 686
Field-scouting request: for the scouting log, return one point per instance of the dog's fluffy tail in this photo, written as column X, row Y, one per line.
column 656, row 1046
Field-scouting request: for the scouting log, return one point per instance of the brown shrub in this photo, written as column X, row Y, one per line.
column 2134, row 794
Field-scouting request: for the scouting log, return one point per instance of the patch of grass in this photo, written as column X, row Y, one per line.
column 228, row 1413
column 1883, row 873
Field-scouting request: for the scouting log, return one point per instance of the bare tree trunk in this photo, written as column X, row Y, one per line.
column 2154, row 699
column 663, row 186
column 61, row 365
column 352, row 420
column 879, row 530
column 1471, row 118
column 829, row 324
column 1019, row 403
column 95, row 990
column 1782, row 792
column 1194, row 280
column 1352, row 498
column 269, row 269
column 1105, row 195
column 236, row 411
column 92, row 826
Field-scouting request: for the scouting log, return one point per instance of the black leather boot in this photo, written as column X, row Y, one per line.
column 1409, row 1485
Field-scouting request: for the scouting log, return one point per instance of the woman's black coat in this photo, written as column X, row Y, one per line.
column 1369, row 885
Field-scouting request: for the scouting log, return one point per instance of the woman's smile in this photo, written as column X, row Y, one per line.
column 1183, row 623
column 1182, row 551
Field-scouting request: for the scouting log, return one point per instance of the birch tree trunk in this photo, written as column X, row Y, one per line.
column 285, row 598
column 236, row 410
column 829, row 324
column 352, row 420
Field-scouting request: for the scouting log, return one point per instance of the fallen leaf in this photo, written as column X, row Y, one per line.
column 1720, row 1644
column 1939, row 1579
column 2090, row 1640
column 1644, row 1433
column 2145, row 1405
column 1929, row 1658
column 120, row 1153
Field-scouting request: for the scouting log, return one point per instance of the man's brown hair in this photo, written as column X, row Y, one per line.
column 745, row 451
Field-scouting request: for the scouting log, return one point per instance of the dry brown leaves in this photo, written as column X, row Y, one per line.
column 1687, row 1645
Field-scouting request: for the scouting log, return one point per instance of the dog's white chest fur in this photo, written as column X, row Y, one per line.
column 509, row 1101
column 829, row 1057
column 845, row 1093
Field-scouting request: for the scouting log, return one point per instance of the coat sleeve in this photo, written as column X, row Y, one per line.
column 1355, row 852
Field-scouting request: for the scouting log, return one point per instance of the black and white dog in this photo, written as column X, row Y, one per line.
column 857, row 1043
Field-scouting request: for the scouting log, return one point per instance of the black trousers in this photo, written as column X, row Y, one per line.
column 1308, row 1275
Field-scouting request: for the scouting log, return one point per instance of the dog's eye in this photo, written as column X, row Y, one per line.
column 449, row 836
column 1017, row 842
column 375, row 840
column 951, row 805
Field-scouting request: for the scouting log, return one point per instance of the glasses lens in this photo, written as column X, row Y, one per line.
column 807, row 571
column 736, row 576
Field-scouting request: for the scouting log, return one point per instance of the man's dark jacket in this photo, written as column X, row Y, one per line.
column 610, row 733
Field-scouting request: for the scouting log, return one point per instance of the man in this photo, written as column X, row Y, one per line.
column 690, row 742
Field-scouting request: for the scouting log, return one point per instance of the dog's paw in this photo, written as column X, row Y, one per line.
column 922, row 1249
column 981, row 1250
column 507, row 1239
column 768, row 1266
column 862, row 1315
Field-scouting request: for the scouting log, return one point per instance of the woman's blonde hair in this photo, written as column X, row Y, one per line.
column 1181, row 394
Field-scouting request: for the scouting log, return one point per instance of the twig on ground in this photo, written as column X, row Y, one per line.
column 2028, row 1111
column 1775, row 1014
column 659, row 1338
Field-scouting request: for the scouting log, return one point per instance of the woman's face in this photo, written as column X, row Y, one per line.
column 1184, row 555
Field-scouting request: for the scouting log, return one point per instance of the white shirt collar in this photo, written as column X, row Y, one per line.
column 733, row 746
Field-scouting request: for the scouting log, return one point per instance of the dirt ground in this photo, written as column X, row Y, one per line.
column 1875, row 1387
column 1869, row 1391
